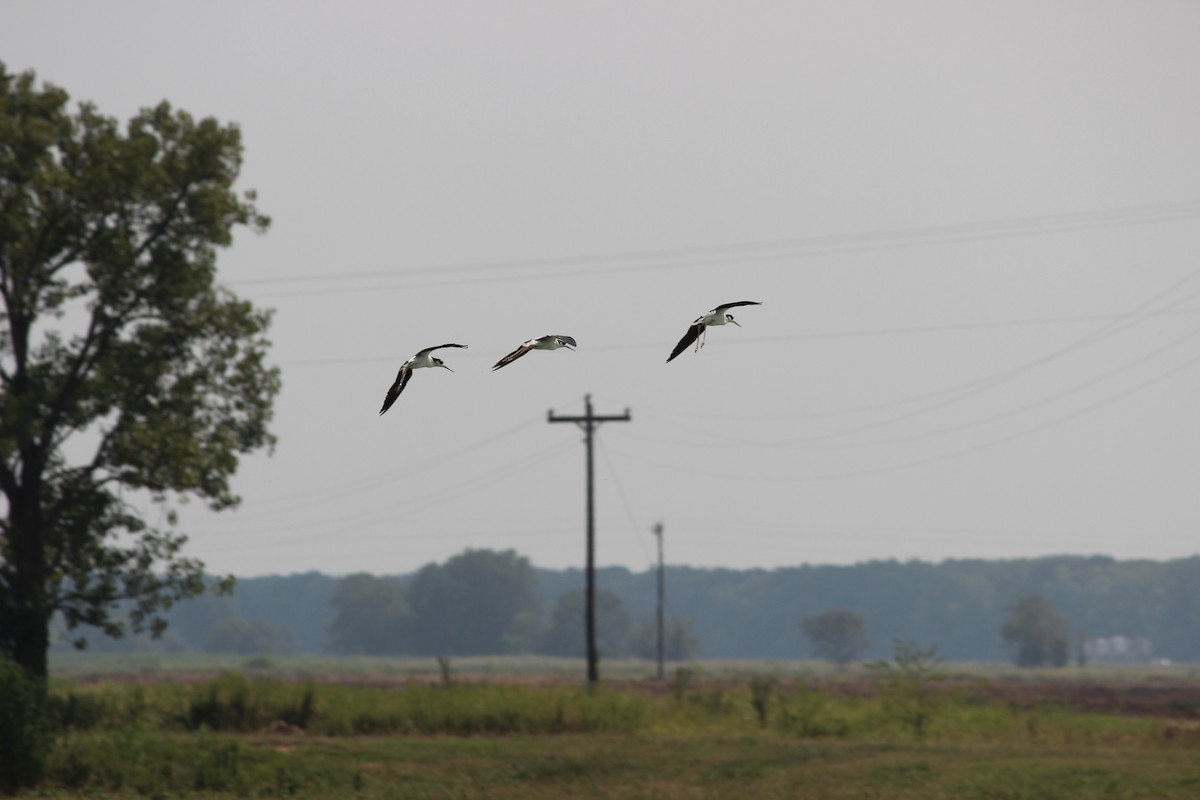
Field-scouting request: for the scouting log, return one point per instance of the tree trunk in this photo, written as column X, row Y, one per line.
column 29, row 638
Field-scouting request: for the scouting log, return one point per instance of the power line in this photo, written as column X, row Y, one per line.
column 972, row 389
column 633, row 523
column 408, row 506
column 1115, row 323
column 1106, row 376
column 744, row 252
column 846, row 334
column 311, row 497
column 946, row 456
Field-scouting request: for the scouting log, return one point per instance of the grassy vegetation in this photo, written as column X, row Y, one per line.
column 720, row 734
column 82, row 665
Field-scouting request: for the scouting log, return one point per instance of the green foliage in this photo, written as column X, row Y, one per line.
column 564, row 635
column 716, row 766
column 959, row 604
column 233, row 703
column 1039, row 632
column 809, row 713
column 477, row 602
column 25, row 730
column 520, row 740
column 905, row 685
column 131, row 761
column 762, row 687
column 837, row 635
column 371, row 615
column 125, row 370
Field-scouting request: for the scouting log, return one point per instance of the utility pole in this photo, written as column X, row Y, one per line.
column 658, row 532
column 588, row 423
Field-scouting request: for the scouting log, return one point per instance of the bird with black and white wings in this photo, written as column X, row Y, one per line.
column 549, row 342
column 423, row 358
column 717, row 316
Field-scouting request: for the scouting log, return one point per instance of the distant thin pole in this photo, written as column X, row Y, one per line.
column 658, row 532
column 588, row 423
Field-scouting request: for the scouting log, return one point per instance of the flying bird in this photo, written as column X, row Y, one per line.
column 421, row 359
column 541, row 343
column 718, row 316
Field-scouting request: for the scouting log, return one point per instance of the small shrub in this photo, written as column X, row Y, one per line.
column 681, row 680
column 906, row 685
column 301, row 713
column 761, row 689
column 227, row 703
column 810, row 713
column 446, row 669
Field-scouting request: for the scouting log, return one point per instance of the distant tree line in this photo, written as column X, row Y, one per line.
column 1034, row 628
column 479, row 603
column 445, row 609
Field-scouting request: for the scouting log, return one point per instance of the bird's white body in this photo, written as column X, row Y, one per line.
column 698, row 330
column 548, row 342
column 718, row 316
column 423, row 358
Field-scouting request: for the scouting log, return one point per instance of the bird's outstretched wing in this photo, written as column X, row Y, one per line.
column 724, row 306
column 693, row 333
column 428, row 350
column 513, row 356
column 401, row 381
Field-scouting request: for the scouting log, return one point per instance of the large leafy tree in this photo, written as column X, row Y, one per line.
column 371, row 616
column 565, row 636
column 479, row 602
column 129, row 380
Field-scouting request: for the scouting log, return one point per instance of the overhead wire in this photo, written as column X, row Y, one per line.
column 763, row 250
column 408, row 505
column 745, row 252
column 1116, row 215
column 823, row 441
column 944, row 397
column 345, row 489
column 633, row 523
column 359, row 485
column 1015, row 410
column 972, row 389
column 933, row 459
column 745, row 341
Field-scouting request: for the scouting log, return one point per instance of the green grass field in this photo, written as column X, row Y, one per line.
column 417, row 730
column 642, row 765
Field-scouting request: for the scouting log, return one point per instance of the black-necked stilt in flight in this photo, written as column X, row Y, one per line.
column 541, row 343
column 421, row 359
column 718, row 316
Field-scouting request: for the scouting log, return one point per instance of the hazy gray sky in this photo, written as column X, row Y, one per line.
column 975, row 229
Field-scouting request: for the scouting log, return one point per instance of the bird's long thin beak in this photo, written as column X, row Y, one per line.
column 443, row 366
column 735, row 322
